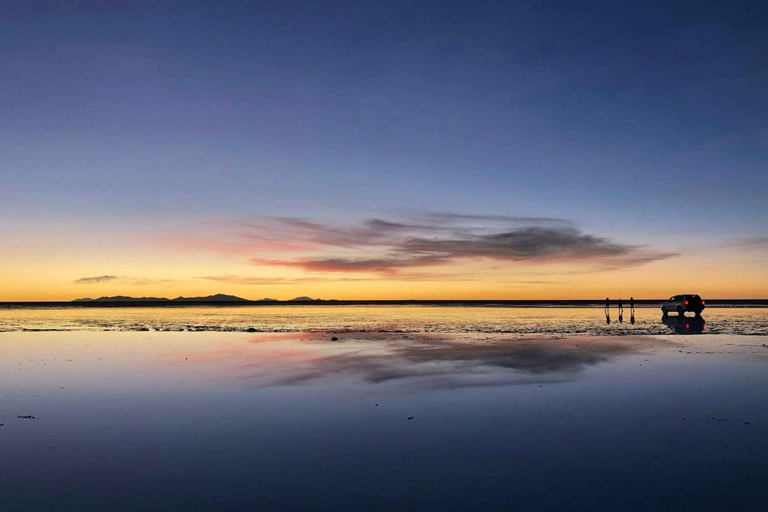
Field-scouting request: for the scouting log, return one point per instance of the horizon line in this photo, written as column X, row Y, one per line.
column 243, row 301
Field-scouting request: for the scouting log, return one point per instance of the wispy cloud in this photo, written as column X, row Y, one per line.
column 393, row 247
column 522, row 244
column 95, row 280
column 137, row 281
column 409, row 276
column 389, row 266
column 756, row 242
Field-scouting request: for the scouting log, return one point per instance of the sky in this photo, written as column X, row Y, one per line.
column 383, row 150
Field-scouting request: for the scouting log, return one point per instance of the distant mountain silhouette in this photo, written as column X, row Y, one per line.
column 219, row 297
column 267, row 299
column 123, row 298
column 303, row 298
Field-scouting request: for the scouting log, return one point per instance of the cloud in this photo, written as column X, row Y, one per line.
column 406, row 276
column 137, row 281
column 750, row 242
column 454, row 218
column 95, row 280
column 435, row 247
column 292, row 234
column 395, row 247
column 381, row 265
column 523, row 244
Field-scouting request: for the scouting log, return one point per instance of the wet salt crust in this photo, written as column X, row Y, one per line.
column 374, row 319
column 286, row 421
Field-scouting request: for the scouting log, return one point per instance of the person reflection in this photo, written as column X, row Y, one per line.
column 621, row 311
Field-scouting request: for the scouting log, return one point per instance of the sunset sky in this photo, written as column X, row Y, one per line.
column 383, row 150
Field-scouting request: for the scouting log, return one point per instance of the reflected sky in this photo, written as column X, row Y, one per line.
column 422, row 361
column 374, row 319
column 296, row 421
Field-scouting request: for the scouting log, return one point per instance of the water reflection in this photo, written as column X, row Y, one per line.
column 684, row 324
column 373, row 319
column 438, row 362
column 170, row 421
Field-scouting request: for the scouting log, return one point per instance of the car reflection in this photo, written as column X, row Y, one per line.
column 685, row 325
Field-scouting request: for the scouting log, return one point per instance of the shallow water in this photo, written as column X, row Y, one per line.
column 406, row 319
column 296, row 421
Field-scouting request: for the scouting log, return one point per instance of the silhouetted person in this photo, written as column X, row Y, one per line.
column 607, row 305
column 621, row 311
column 632, row 303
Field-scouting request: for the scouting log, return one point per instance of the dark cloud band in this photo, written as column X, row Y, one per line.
column 95, row 280
column 420, row 240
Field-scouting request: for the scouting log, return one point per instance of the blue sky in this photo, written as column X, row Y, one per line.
column 618, row 116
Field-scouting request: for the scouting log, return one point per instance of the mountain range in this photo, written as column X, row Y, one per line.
column 219, row 297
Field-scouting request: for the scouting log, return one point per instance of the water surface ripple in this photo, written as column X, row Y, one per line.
column 394, row 319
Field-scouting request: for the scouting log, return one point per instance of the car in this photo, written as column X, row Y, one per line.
column 681, row 304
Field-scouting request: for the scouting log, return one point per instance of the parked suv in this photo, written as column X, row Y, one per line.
column 683, row 303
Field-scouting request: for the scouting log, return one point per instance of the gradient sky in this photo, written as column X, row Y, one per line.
column 383, row 149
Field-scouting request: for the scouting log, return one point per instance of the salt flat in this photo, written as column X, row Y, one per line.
column 288, row 421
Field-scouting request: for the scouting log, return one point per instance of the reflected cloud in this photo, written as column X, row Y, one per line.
column 425, row 361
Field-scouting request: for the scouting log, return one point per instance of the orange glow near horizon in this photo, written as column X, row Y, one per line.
column 65, row 265
column 656, row 280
